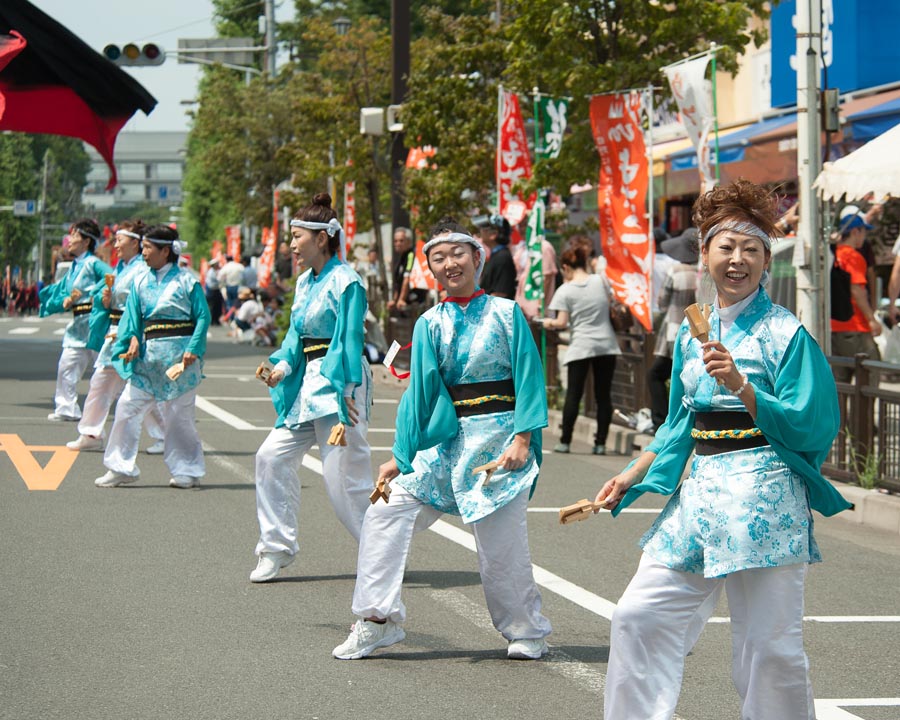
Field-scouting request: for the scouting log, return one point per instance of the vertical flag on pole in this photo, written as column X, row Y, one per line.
column 513, row 161
column 349, row 214
column 534, row 238
column 267, row 259
column 233, row 241
column 551, row 118
column 622, row 196
column 693, row 96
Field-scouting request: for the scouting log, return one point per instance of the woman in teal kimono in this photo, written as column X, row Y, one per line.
column 75, row 292
column 757, row 407
column 476, row 396
column 159, row 348
column 320, row 381
column 106, row 383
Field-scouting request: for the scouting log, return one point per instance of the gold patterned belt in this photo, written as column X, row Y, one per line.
column 173, row 328
column 725, row 431
column 484, row 397
column 315, row 348
column 725, row 434
column 79, row 310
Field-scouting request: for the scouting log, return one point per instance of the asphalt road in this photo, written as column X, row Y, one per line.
column 135, row 603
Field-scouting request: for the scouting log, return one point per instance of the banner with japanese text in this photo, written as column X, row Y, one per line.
column 534, row 241
column 551, row 114
column 513, row 161
column 622, row 199
column 217, row 254
column 267, row 259
column 692, row 93
column 233, row 241
column 349, row 214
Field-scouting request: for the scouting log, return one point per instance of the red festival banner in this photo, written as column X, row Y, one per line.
column 622, row 199
column 267, row 259
column 217, row 253
column 513, row 161
column 349, row 213
column 233, row 241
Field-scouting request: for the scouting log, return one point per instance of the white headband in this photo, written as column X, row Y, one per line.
column 458, row 238
column 331, row 227
column 178, row 246
column 744, row 228
column 130, row 234
column 87, row 234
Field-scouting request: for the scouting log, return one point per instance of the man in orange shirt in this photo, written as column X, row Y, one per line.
column 849, row 337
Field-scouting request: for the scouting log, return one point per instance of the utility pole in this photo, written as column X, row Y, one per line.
column 809, row 253
column 271, row 49
column 43, row 217
column 400, row 21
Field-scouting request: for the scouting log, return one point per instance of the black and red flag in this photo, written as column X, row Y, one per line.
column 53, row 82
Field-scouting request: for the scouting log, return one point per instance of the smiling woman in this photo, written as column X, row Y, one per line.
column 757, row 406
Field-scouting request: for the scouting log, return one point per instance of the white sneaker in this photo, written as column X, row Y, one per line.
column 366, row 637
column 86, row 443
column 184, row 482
column 527, row 649
column 114, row 479
column 269, row 565
column 156, row 448
column 56, row 417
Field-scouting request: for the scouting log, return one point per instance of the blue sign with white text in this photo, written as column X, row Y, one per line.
column 859, row 46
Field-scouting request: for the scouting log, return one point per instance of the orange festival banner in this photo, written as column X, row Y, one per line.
column 233, row 241
column 349, row 214
column 513, row 160
column 622, row 199
column 267, row 259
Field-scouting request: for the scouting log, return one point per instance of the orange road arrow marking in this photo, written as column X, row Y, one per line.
column 49, row 477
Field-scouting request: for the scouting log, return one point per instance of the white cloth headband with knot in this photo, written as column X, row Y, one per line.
column 87, row 234
column 178, row 246
column 130, row 234
column 331, row 227
column 459, row 238
column 742, row 227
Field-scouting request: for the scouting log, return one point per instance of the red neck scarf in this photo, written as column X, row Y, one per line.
column 463, row 300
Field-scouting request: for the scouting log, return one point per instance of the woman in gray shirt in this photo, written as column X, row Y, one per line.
column 582, row 305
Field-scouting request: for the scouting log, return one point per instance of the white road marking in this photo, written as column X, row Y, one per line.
column 223, row 415
column 834, row 709
column 61, row 331
column 24, row 331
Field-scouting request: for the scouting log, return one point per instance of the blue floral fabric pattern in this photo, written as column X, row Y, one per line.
column 472, row 345
column 126, row 275
column 85, row 275
column 736, row 510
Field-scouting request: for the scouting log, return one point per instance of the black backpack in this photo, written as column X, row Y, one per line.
column 841, row 299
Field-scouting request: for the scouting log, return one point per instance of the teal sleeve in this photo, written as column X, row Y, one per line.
column 528, row 379
column 51, row 298
column 672, row 444
column 98, row 270
column 201, row 317
column 342, row 364
column 99, row 321
column 801, row 418
column 426, row 416
column 285, row 393
column 131, row 325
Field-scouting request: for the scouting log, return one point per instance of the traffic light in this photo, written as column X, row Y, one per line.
column 131, row 54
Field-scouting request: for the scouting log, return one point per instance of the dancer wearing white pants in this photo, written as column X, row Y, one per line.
column 758, row 410
column 75, row 292
column 109, row 303
column 159, row 348
column 320, row 384
column 476, row 395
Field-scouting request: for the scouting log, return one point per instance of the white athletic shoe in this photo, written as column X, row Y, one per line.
column 86, row 443
column 366, row 637
column 56, row 417
column 184, row 482
column 114, row 479
column 527, row 649
column 156, row 448
column 269, row 565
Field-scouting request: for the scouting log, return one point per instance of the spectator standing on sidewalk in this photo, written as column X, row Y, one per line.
column 476, row 394
column 582, row 305
column 230, row 277
column 214, row 292
column 499, row 277
column 856, row 334
column 320, row 378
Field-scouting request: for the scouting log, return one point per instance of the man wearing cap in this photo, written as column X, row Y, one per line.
column 499, row 278
column 849, row 337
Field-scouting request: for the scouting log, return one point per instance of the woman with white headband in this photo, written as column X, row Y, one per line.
column 159, row 348
column 476, row 396
column 320, row 380
column 757, row 407
column 106, row 383
column 75, row 292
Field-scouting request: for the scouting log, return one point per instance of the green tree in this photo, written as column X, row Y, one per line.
column 18, row 181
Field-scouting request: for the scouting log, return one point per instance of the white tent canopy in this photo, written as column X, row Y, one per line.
column 873, row 168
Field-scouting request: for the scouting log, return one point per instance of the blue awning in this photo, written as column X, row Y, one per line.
column 731, row 147
column 875, row 121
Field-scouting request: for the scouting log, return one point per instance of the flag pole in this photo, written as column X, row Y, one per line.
column 499, row 136
column 538, row 147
